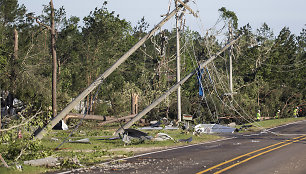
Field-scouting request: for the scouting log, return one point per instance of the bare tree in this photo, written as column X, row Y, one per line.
column 54, row 57
column 54, row 60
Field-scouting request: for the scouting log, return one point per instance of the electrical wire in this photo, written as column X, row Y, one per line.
column 81, row 121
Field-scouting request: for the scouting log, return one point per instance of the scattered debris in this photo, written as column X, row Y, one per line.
column 160, row 125
column 188, row 140
column 82, row 133
column 19, row 167
column 49, row 162
column 232, row 125
column 171, row 128
column 54, row 139
column 212, row 128
column 126, row 139
column 155, row 123
column 151, row 128
column 60, row 126
column 112, row 138
column 85, row 140
column 162, row 137
column 159, row 128
column 130, row 134
column 244, row 127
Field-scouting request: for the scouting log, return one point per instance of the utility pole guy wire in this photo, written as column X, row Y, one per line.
column 172, row 89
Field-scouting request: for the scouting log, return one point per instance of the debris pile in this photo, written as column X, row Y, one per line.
column 212, row 128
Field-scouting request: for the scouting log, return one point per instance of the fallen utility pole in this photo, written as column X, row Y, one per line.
column 172, row 89
column 40, row 132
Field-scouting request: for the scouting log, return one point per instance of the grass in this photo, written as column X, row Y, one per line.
column 26, row 170
column 102, row 150
column 99, row 151
column 265, row 124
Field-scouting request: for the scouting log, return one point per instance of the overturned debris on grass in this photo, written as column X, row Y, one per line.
column 212, row 128
column 188, row 140
column 159, row 128
column 48, row 161
column 162, row 137
column 130, row 134
column 85, row 140
column 61, row 125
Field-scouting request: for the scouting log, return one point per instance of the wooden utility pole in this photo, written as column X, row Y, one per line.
column 40, row 133
column 172, row 89
column 231, row 61
column 54, row 60
column 178, row 66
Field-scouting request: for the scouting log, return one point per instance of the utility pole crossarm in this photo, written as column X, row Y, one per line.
column 40, row 133
column 188, row 8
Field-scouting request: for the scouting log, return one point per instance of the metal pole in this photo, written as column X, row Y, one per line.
column 178, row 67
column 40, row 132
column 172, row 89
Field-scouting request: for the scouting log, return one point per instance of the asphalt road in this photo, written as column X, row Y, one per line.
column 281, row 151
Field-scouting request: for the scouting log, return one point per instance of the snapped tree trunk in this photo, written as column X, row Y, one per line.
column 13, row 63
column 134, row 104
column 54, row 61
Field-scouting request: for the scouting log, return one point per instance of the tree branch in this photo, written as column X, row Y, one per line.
column 40, row 23
column 22, row 124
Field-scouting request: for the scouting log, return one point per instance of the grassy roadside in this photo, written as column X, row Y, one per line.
column 103, row 150
column 265, row 124
column 100, row 150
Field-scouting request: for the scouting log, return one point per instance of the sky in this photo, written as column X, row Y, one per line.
column 276, row 13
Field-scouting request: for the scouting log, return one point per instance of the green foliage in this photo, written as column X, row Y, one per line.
column 268, row 71
column 229, row 15
column 14, row 148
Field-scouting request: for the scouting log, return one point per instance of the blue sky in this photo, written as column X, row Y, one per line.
column 276, row 13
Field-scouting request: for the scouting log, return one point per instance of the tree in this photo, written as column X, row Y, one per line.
column 54, row 60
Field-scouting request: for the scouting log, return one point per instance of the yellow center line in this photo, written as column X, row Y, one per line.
column 218, row 165
column 236, row 164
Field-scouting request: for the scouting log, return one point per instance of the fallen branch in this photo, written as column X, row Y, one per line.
column 20, row 154
column 88, row 117
column 2, row 160
column 21, row 124
column 40, row 23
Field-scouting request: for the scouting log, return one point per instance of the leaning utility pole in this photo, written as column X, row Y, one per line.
column 178, row 66
column 40, row 132
column 172, row 89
